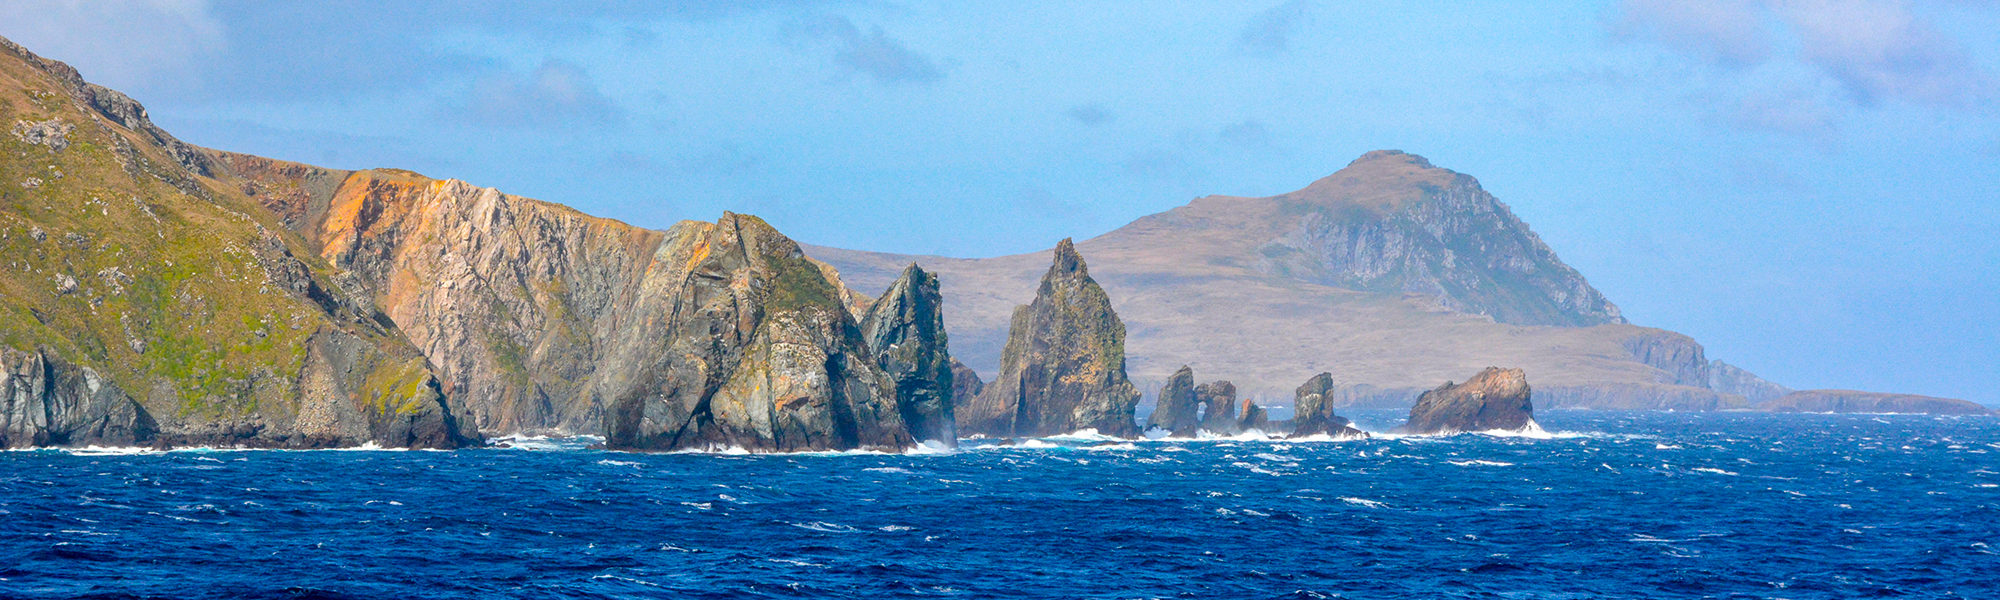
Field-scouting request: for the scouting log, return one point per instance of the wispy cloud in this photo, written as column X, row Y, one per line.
column 557, row 93
column 1875, row 50
column 873, row 53
column 1270, row 32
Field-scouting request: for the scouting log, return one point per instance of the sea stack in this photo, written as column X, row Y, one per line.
column 1254, row 417
column 1218, row 407
column 905, row 331
column 1178, row 412
column 752, row 348
column 1313, row 411
column 1495, row 399
column 1063, row 369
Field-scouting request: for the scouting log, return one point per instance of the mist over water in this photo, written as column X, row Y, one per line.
column 1610, row 504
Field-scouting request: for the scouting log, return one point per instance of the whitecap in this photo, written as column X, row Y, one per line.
column 889, row 470
column 1363, row 502
column 1715, row 471
column 823, row 526
column 1481, row 463
column 618, row 463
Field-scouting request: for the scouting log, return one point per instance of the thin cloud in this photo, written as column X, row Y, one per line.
column 1270, row 32
column 555, row 94
column 875, row 54
column 1728, row 32
column 1091, row 114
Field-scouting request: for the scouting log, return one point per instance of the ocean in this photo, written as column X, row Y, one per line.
column 1604, row 505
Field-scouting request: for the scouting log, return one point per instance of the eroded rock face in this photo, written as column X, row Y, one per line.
column 1218, row 407
column 1254, row 417
column 1731, row 379
column 739, row 340
column 1495, row 399
column 45, row 401
column 1313, row 410
column 905, row 332
column 1178, row 412
column 965, row 386
column 1063, row 369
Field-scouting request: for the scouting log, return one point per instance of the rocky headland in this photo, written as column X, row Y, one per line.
column 1494, row 400
column 1063, row 368
column 1849, row 401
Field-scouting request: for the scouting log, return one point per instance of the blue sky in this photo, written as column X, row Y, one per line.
column 1806, row 186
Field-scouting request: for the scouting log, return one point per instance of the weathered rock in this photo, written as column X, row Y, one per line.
column 182, row 314
column 1254, row 417
column 739, row 340
column 1218, row 407
column 965, row 386
column 905, row 332
column 1178, row 411
column 1313, row 410
column 1063, row 369
column 1850, row 401
column 46, row 401
column 1495, row 399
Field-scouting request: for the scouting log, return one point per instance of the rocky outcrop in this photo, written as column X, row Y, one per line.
column 144, row 278
column 904, row 330
column 1218, row 407
column 1730, row 379
column 737, row 340
column 1453, row 242
column 1679, row 358
column 46, row 401
column 1494, row 400
column 1849, row 401
column 1178, row 413
column 965, row 386
column 1254, row 417
column 1313, row 412
column 1063, row 368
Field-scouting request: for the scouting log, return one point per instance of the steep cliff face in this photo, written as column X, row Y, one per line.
column 1679, row 358
column 904, row 330
column 738, row 340
column 45, row 401
column 1494, row 400
column 1730, row 379
column 1362, row 228
column 1313, row 410
column 1063, row 368
column 130, row 255
column 1849, row 401
column 965, row 387
column 1178, row 412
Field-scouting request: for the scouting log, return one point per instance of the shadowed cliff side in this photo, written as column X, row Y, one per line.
column 905, row 331
column 1063, row 368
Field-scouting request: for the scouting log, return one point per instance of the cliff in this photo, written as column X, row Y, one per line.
column 1313, row 410
column 1063, row 368
column 904, row 330
column 1849, row 401
column 148, row 301
column 1494, row 400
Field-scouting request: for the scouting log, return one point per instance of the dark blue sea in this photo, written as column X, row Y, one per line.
column 1609, row 505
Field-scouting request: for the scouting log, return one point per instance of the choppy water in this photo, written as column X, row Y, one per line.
column 1624, row 505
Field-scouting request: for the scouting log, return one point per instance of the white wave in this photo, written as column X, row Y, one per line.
column 618, row 463
column 889, row 470
column 1363, row 502
column 1715, row 471
column 700, row 505
column 1323, row 438
column 1481, row 463
column 826, row 527
column 896, row 528
column 1665, row 447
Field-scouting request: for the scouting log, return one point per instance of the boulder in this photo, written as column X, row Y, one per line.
column 1495, row 399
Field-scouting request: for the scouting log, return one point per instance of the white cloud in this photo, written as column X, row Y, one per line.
column 124, row 44
column 1730, row 32
column 556, row 93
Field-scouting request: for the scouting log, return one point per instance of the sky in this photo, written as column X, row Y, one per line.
column 1808, row 187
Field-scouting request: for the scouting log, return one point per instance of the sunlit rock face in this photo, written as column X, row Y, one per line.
column 1494, row 400
column 1063, row 369
column 1313, row 410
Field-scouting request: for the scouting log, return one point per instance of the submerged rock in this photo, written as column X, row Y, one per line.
column 905, row 331
column 1495, row 399
column 749, row 345
column 1063, row 369
column 1178, row 411
column 1218, row 407
column 1313, row 410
